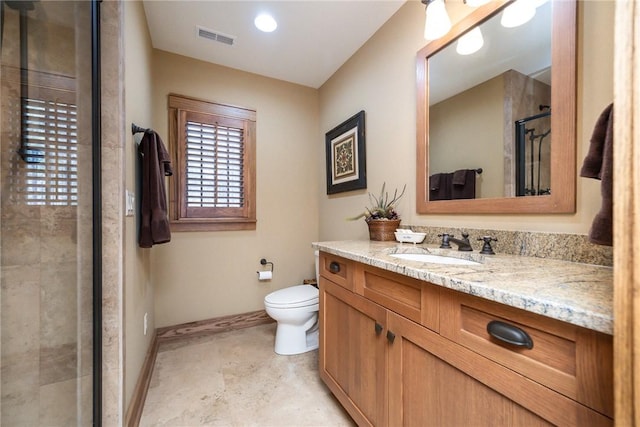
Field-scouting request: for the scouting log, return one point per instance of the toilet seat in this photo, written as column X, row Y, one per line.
column 293, row 297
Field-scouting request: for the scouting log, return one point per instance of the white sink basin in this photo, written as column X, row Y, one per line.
column 435, row 259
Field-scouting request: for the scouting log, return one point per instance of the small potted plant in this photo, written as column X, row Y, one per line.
column 381, row 216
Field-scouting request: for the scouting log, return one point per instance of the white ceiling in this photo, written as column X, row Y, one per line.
column 313, row 39
column 526, row 48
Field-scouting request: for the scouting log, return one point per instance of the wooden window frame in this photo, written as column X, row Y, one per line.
column 209, row 219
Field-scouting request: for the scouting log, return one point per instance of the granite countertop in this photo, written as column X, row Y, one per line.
column 576, row 293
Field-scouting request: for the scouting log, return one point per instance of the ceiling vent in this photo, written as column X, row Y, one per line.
column 216, row 36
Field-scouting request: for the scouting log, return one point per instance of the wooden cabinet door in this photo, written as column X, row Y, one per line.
column 435, row 382
column 353, row 352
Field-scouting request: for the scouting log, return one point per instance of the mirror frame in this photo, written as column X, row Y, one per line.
column 563, row 120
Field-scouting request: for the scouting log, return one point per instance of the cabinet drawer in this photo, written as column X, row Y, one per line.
column 411, row 298
column 574, row 361
column 337, row 269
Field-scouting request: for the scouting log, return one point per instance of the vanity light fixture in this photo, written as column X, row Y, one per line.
column 437, row 22
column 470, row 43
column 518, row 13
column 265, row 22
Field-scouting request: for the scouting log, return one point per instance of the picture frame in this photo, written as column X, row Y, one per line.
column 346, row 155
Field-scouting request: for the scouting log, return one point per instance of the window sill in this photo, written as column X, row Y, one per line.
column 213, row 225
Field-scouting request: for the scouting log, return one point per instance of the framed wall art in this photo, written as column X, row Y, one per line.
column 346, row 163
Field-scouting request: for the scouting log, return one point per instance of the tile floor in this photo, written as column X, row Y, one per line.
column 235, row 379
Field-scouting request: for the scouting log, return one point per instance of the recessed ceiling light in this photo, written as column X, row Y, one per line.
column 265, row 22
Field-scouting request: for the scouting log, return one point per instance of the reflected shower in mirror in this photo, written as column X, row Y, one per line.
column 533, row 154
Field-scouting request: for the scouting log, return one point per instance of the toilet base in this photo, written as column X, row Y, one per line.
column 292, row 340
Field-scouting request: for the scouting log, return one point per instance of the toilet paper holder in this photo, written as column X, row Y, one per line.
column 265, row 262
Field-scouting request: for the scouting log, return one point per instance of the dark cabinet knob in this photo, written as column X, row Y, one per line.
column 378, row 328
column 334, row 267
column 509, row 333
column 391, row 336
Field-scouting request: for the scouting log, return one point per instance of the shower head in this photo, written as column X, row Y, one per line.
column 21, row 5
column 27, row 153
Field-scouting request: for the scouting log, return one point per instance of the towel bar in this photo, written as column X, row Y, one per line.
column 137, row 129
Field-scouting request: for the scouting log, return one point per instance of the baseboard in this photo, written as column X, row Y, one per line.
column 170, row 333
column 212, row 326
column 132, row 417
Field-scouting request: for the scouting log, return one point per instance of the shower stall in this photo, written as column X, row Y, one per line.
column 533, row 154
column 49, row 213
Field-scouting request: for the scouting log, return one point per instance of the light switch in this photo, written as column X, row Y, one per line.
column 130, row 203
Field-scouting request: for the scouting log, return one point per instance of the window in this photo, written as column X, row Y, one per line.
column 213, row 148
column 50, row 140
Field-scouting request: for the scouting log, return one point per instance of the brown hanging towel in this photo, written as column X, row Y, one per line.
column 156, row 164
column 598, row 164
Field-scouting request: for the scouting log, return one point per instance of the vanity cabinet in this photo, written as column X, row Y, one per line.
column 353, row 353
column 407, row 355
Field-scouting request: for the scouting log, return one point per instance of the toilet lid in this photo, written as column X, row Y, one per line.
column 300, row 295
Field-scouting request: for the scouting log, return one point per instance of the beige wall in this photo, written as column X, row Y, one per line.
column 201, row 275
column 466, row 131
column 138, row 290
column 380, row 78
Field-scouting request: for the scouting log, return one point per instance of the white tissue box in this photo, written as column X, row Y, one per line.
column 408, row 236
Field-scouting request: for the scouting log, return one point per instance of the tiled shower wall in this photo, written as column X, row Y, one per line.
column 45, row 252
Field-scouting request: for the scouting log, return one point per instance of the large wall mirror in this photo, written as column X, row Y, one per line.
column 496, row 129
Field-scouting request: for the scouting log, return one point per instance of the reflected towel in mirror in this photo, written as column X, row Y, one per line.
column 464, row 184
column 440, row 186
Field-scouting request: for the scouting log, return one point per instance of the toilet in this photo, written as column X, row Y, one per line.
column 295, row 309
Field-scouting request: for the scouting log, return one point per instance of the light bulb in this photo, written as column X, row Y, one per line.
column 437, row 22
column 265, row 22
column 470, row 42
column 518, row 13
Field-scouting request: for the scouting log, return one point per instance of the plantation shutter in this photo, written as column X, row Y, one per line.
column 50, row 141
column 214, row 155
column 214, row 166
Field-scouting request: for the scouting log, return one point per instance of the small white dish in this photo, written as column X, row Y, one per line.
column 409, row 236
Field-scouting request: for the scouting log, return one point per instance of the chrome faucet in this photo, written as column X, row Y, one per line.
column 463, row 244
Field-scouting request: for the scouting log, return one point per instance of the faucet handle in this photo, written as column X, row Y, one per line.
column 486, row 247
column 445, row 241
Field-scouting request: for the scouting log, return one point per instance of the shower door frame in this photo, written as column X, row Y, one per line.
column 521, row 141
column 96, row 132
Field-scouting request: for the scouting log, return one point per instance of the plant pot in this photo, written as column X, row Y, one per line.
column 383, row 229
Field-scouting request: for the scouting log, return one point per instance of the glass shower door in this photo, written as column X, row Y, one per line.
column 46, row 233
